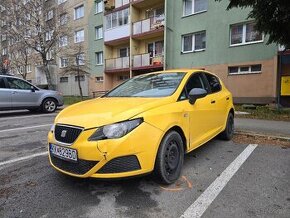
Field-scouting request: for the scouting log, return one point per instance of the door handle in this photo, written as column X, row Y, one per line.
column 14, row 92
column 228, row 98
column 212, row 102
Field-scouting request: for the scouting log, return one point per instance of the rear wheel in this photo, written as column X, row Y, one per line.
column 228, row 133
column 49, row 105
column 169, row 160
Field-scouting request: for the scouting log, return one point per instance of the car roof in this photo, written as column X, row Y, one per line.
column 183, row 70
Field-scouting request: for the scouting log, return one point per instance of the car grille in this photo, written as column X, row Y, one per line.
column 121, row 165
column 81, row 167
column 67, row 134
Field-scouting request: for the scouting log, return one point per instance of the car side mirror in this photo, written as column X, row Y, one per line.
column 195, row 94
column 32, row 88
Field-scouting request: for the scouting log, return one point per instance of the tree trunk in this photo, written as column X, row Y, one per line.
column 47, row 73
column 79, row 83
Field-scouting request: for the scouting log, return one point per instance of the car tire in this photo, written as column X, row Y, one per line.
column 228, row 133
column 49, row 105
column 169, row 160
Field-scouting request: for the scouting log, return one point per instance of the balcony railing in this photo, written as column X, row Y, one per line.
column 144, row 60
column 117, row 63
column 149, row 24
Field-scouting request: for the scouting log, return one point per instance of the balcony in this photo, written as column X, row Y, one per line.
column 117, row 65
column 153, row 26
column 120, row 3
column 141, row 4
column 144, row 61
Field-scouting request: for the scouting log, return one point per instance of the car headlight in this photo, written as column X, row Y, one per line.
column 116, row 130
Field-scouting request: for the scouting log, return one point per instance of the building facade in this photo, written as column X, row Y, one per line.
column 125, row 38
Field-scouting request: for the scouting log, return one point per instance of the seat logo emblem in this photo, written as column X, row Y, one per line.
column 63, row 133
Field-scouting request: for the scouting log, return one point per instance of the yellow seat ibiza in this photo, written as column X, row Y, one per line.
column 144, row 125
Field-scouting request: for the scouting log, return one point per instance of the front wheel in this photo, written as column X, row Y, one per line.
column 228, row 133
column 169, row 160
column 49, row 105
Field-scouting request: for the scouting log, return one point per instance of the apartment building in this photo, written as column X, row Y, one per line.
column 142, row 36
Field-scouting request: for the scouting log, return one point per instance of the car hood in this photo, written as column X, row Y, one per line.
column 103, row 111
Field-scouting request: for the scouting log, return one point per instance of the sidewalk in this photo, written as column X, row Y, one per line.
column 264, row 127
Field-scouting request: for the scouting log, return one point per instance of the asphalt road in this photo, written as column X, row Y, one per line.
column 210, row 185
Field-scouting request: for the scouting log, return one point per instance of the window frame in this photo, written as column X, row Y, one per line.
column 192, row 9
column 75, row 11
column 75, row 36
column 97, row 59
column 193, row 42
column 97, row 6
column 245, row 72
column 244, row 35
column 97, row 33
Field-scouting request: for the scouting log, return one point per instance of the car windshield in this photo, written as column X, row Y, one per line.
column 148, row 86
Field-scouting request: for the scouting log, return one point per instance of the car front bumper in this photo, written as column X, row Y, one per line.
column 134, row 154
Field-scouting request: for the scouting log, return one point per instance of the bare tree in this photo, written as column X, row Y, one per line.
column 34, row 23
column 19, row 59
column 76, row 64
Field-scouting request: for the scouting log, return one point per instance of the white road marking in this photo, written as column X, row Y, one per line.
column 201, row 204
column 31, row 116
column 24, row 128
column 8, row 162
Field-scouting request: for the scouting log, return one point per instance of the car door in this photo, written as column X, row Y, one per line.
column 5, row 95
column 200, row 116
column 218, row 99
column 22, row 95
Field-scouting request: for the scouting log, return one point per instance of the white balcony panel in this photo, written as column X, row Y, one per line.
column 117, row 33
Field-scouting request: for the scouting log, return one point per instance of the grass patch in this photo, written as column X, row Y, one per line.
column 265, row 113
column 69, row 100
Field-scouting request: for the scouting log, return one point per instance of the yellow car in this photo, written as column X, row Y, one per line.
column 144, row 125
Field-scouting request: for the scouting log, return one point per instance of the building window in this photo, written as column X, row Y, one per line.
column 3, row 37
column 4, row 51
column 245, row 33
column 80, row 78
column 99, row 79
column 99, row 58
column 80, row 59
column 48, row 35
column 79, row 36
column 251, row 69
column 124, row 52
column 63, row 79
column 49, row 55
column 63, row 62
column 63, row 19
column 194, row 42
column 28, row 68
column 49, row 15
column 119, row 18
column 123, row 78
column 63, row 41
column 194, row 6
column 61, row 1
column 79, row 12
column 99, row 6
column 99, row 32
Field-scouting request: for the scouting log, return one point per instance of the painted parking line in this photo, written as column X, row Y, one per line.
column 9, row 162
column 29, row 116
column 24, row 128
column 201, row 204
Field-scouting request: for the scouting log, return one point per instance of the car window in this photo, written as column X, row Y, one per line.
column 213, row 82
column 195, row 81
column 18, row 84
column 2, row 83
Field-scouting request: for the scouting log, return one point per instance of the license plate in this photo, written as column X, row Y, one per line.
column 63, row 152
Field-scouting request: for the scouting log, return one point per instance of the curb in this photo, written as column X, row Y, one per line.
column 283, row 138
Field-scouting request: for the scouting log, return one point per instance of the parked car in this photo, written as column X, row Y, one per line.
column 146, row 124
column 16, row 93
